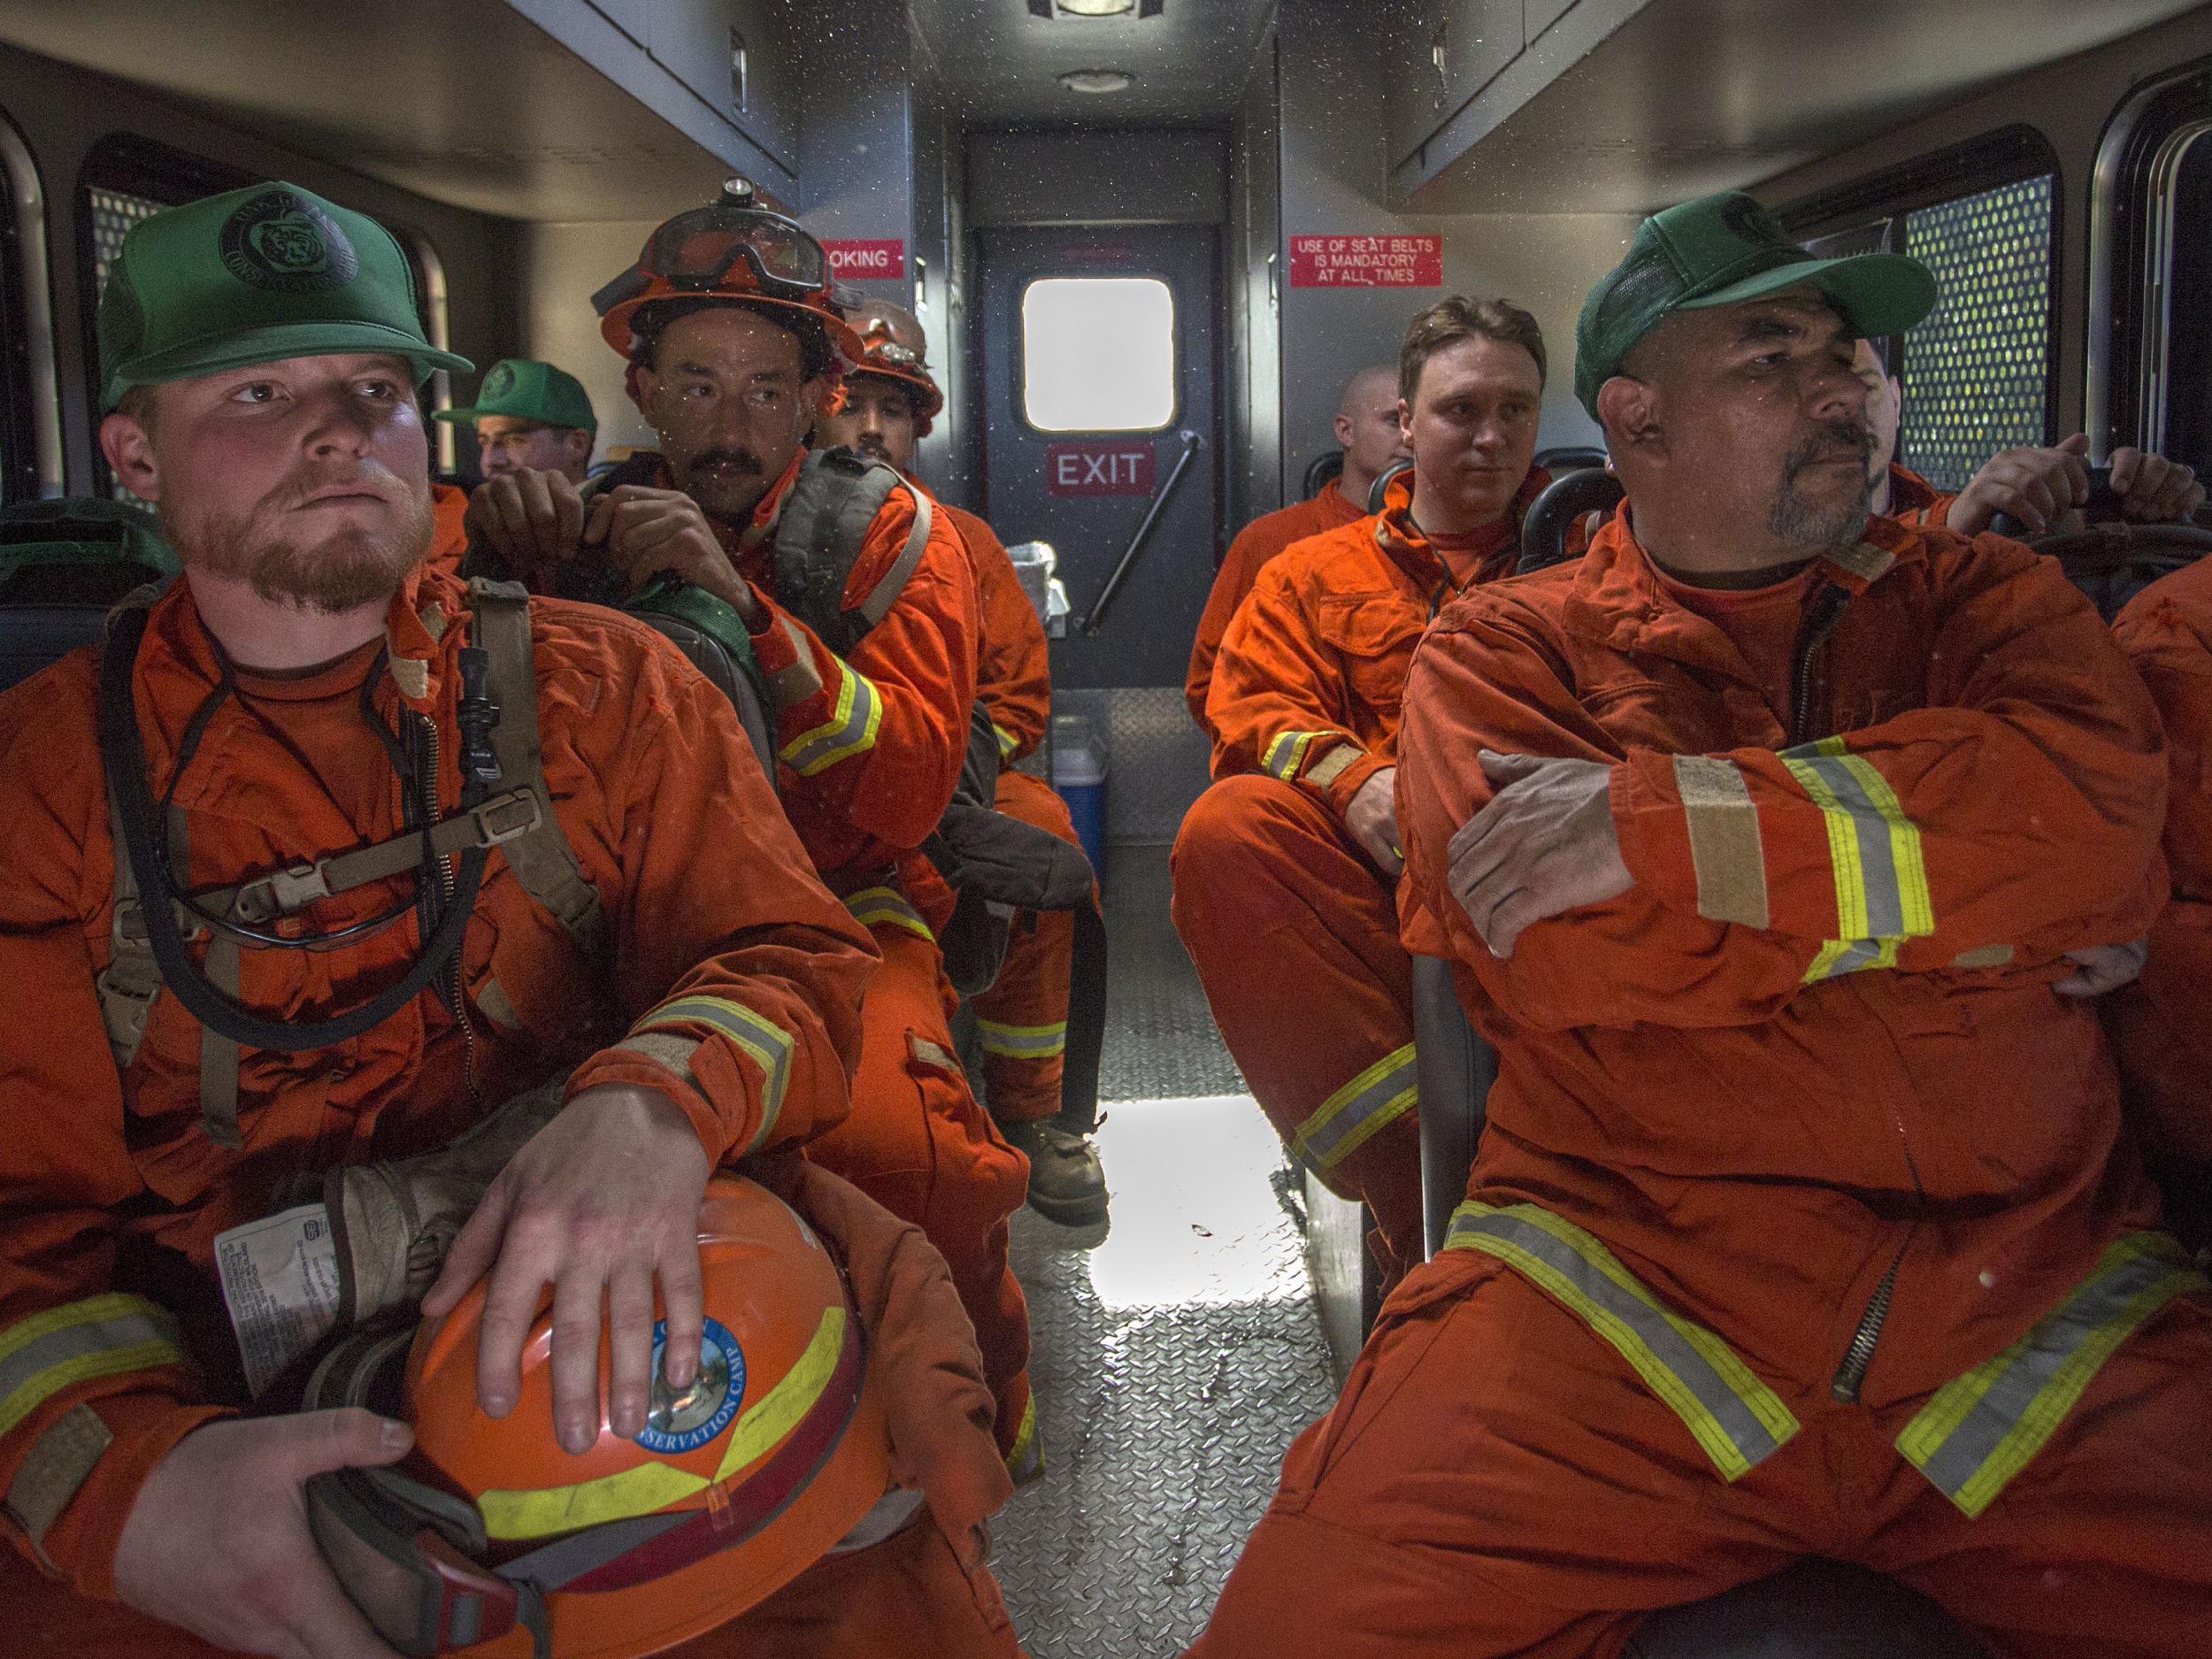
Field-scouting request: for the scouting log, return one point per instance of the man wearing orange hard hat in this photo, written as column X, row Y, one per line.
column 330, row 887
column 1021, row 1019
column 852, row 597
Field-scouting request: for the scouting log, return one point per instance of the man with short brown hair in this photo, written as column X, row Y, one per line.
column 1293, row 854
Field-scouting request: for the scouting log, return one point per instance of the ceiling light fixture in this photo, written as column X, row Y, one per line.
column 1050, row 9
column 1097, row 81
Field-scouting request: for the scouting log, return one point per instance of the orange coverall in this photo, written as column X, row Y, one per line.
column 1254, row 545
column 1023, row 1018
column 449, row 535
column 1804, row 1222
column 110, row 1195
column 1913, row 500
column 1304, row 709
column 2163, row 1023
column 869, row 747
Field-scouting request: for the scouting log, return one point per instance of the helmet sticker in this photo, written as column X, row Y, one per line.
column 684, row 1422
column 285, row 243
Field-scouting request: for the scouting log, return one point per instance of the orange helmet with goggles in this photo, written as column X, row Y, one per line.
column 892, row 344
column 489, row 1533
column 732, row 249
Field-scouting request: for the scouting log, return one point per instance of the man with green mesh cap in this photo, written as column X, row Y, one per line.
column 1776, row 848
column 393, row 780
column 530, row 414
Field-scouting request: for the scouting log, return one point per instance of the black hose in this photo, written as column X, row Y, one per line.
column 123, row 758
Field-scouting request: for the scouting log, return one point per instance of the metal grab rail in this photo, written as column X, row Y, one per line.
column 1096, row 618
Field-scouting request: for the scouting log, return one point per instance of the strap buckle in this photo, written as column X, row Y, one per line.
column 280, row 893
column 507, row 817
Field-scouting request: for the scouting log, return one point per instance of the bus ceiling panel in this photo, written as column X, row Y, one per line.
column 1003, row 61
column 1116, row 178
column 1623, row 105
column 528, row 109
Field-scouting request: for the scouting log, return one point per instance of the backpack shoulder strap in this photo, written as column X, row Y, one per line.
column 540, row 856
column 824, row 523
column 129, row 983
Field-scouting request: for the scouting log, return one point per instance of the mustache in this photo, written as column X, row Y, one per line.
column 736, row 460
column 870, row 443
column 312, row 479
column 1843, row 433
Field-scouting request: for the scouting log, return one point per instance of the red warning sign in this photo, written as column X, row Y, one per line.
column 1367, row 262
column 881, row 259
column 1098, row 469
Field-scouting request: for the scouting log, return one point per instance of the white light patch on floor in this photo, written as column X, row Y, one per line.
column 1196, row 1221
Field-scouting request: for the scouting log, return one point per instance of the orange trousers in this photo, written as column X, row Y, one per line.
column 1496, row 1480
column 1023, row 1018
column 1295, row 940
column 918, row 1144
column 906, row 1595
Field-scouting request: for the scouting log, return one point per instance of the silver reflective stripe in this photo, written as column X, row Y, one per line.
column 850, row 728
column 102, row 1336
column 756, row 1035
column 1981, row 1429
column 1735, row 1417
column 886, row 907
column 1355, row 1113
column 1881, row 877
column 1023, row 1041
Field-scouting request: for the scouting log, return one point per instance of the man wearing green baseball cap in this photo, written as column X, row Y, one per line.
column 1774, row 847
column 530, row 414
column 312, row 720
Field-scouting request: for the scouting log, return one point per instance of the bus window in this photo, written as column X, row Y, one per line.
column 1098, row 354
column 30, row 424
column 1977, row 373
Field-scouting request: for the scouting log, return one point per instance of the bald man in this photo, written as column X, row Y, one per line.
column 1367, row 428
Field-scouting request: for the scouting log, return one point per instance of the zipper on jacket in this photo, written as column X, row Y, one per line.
column 1821, row 617
column 1852, row 1373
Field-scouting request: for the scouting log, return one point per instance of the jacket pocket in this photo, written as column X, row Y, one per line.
column 1373, row 636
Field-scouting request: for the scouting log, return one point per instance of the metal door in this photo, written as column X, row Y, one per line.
column 1089, row 491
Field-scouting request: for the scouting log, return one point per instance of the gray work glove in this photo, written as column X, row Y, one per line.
column 394, row 1222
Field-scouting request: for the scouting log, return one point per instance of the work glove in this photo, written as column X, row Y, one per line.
column 394, row 1222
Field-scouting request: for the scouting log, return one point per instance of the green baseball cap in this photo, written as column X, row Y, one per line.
column 529, row 390
column 254, row 276
column 1721, row 250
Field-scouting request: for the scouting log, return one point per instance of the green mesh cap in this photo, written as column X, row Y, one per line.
column 255, row 276
column 1721, row 250
column 527, row 390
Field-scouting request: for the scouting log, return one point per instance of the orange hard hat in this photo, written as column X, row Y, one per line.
column 731, row 250
column 489, row 1534
column 893, row 345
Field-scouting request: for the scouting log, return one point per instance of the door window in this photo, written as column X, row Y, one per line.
column 1098, row 354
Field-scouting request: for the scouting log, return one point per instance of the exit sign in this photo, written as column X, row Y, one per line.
column 1098, row 469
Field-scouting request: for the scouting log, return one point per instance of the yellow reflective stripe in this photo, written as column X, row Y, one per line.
column 101, row 1336
column 1024, row 1041
column 1352, row 1115
column 1881, row 875
column 1285, row 752
column 1982, row 1429
column 767, row 1044
column 544, row 1510
column 1026, row 1462
column 850, row 728
column 886, row 907
column 1737, row 1419
column 1007, row 741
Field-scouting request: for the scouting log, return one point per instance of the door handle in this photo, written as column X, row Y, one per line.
column 1096, row 617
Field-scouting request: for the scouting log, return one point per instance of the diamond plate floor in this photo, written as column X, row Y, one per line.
column 1175, row 1358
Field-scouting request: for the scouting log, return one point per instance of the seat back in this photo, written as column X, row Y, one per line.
column 63, row 565
column 32, row 636
column 1553, row 513
column 712, row 658
column 1324, row 468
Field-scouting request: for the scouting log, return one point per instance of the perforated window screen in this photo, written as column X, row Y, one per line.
column 113, row 213
column 1976, row 370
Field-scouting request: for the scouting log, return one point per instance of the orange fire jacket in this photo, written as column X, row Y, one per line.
column 1013, row 668
column 1815, row 1042
column 1312, row 671
column 1913, row 500
column 870, row 745
column 734, row 989
column 1255, row 545
column 2163, row 1022
column 449, row 535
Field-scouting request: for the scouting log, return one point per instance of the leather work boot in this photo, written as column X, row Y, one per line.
column 1066, row 1184
column 393, row 1223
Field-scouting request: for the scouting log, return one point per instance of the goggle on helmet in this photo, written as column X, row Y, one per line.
column 488, row 1531
column 732, row 249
